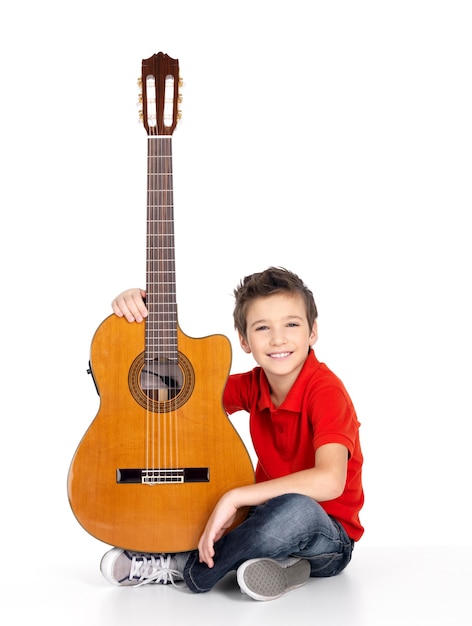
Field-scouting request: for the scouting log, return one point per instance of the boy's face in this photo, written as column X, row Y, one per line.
column 278, row 334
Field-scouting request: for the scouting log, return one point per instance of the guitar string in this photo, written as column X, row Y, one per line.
column 149, row 322
column 163, row 441
column 153, row 341
column 175, row 413
column 170, row 327
column 163, row 288
column 153, row 279
column 172, row 304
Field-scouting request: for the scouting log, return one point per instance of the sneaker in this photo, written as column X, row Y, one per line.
column 268, row 579
column 122, row 567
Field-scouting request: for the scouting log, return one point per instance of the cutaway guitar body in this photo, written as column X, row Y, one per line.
column 146, row 478
column 161, row 450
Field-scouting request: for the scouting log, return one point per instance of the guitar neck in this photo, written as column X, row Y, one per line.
column 161, row 323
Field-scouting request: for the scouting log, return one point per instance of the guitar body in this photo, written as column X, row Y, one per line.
column 148, row 472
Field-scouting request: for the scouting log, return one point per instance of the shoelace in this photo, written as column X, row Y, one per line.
column 153, row 569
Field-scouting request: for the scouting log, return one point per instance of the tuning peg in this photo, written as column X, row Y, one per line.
column 140, row 82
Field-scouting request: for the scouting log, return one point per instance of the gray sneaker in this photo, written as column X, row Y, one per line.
column 123, row 567
column 268, row 579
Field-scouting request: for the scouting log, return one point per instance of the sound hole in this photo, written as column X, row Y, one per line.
column 161, row 385
column 161, row 379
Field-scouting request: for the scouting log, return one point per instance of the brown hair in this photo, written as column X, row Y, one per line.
column 270, row 281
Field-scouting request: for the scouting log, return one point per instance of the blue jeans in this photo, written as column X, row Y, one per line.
column 288, row 525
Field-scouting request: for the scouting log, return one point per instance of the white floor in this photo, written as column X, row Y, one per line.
column 408, row 586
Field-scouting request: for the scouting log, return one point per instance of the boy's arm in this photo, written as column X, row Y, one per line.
column 130, row 304
column 325, row 481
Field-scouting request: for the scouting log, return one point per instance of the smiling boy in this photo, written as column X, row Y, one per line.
column 305, row 503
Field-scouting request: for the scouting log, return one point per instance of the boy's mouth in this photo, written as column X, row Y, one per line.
column 279, row 355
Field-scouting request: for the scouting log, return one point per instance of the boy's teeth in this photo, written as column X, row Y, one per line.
column 279, row 355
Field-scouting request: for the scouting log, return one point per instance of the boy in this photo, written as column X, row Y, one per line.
column 305, row 503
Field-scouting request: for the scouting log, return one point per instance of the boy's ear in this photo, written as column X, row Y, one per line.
column 313, row 335
column 244, row 344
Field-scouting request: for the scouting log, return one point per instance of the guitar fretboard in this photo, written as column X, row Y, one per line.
column 161, row 324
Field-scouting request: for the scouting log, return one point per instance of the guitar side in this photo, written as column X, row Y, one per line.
column 189, row 440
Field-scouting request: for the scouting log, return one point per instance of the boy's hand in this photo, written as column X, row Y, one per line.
column 130, row 304
column 219, row 521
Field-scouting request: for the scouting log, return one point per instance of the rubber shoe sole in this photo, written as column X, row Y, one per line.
column 115, row 567
column 268, row 579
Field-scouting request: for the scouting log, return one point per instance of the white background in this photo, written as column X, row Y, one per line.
column 332, row 138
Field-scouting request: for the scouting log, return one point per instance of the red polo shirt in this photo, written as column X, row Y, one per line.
column 316, row 411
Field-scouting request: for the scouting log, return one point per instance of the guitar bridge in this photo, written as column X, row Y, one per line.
column 163, row 476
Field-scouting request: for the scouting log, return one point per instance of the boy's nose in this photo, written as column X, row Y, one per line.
column 278, row 338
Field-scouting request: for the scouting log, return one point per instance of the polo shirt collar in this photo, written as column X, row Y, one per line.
column 293, row 401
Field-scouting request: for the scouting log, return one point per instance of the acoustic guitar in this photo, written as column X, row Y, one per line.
column 161, row 451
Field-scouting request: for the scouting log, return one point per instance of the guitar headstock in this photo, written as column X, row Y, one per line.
column 160, row 94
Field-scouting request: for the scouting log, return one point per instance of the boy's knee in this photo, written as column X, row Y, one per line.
column 291, row 510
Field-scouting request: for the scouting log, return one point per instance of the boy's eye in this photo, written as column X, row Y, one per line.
column 261, row 327
column 292, row 324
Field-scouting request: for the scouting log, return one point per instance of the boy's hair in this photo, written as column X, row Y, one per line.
column 270, row 281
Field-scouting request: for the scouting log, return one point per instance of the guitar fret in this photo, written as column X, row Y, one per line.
column 159, row 342
column 156, row 332
column 163, row 340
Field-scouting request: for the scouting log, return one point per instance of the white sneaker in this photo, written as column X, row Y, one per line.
column 123, row 567
column 268, row 579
